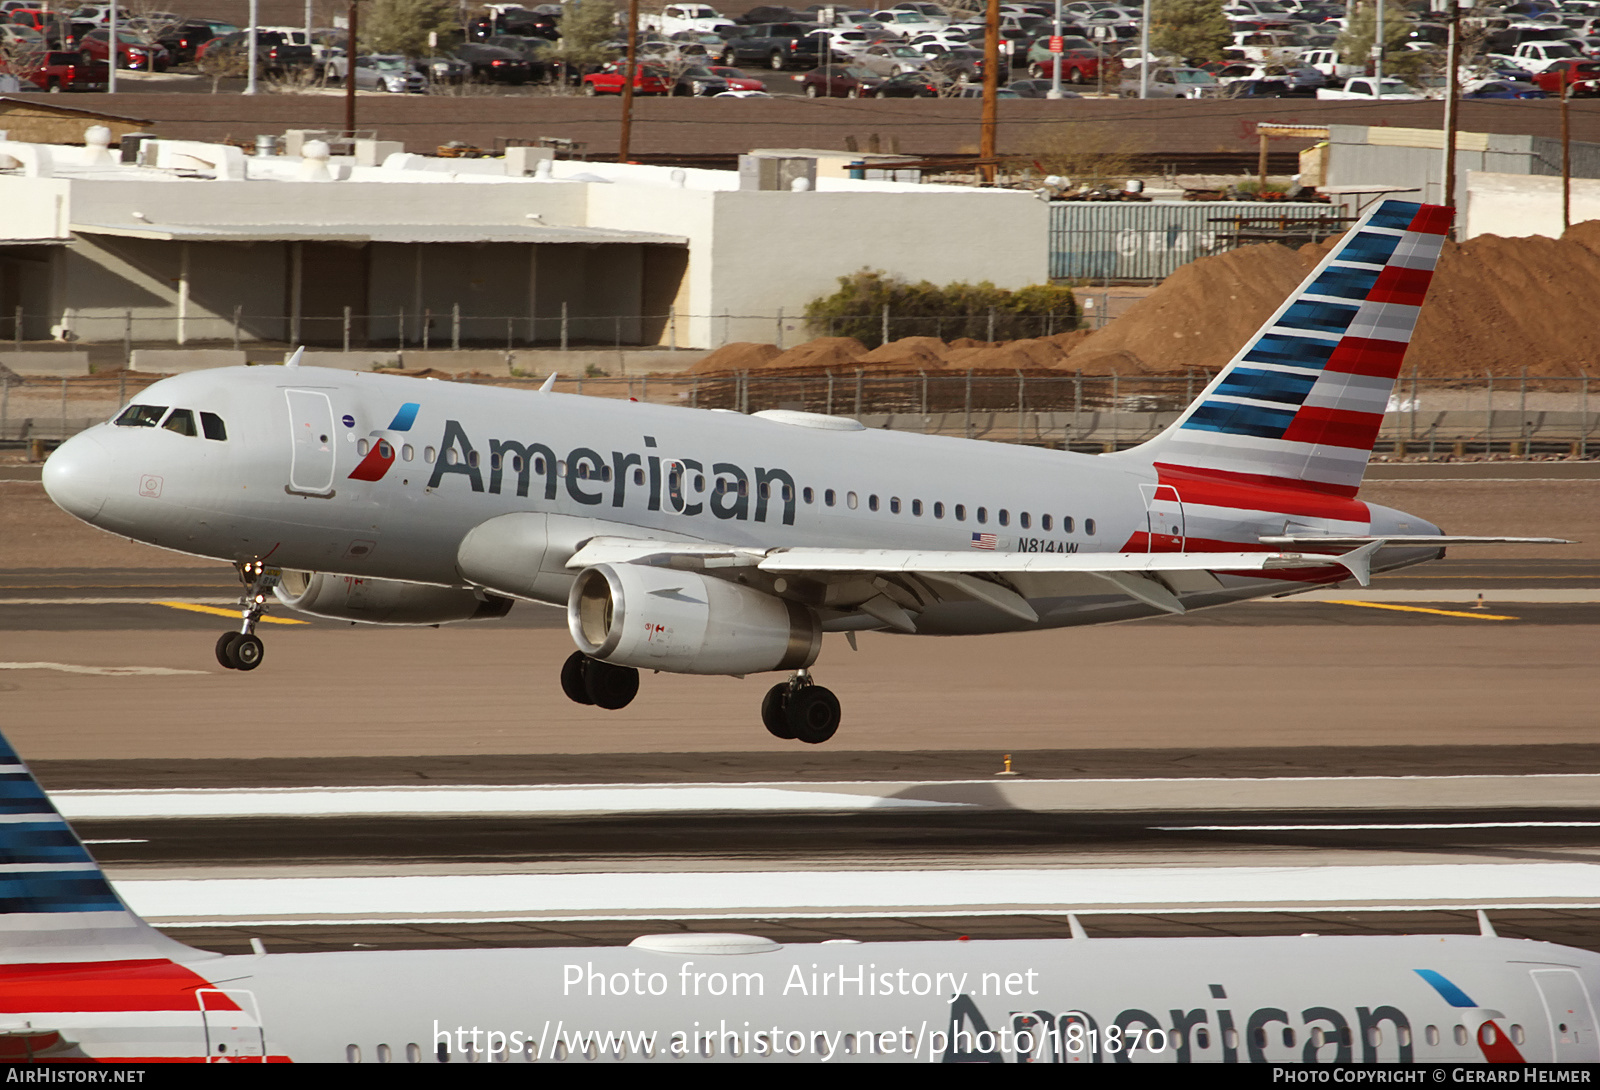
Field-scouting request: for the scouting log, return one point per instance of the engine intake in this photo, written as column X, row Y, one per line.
column 664, row 619
column 385, row 601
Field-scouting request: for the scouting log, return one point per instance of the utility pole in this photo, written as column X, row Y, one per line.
column 1566, row 154
column 1056, row 52
column 352, row 27
column 991, row 89
column 254, row 49
column 1377, row 55
column 1144, row 52
column 629, row 74
column 1452, row 89
column 111, row 76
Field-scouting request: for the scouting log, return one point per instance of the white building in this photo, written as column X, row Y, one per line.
column 185, row 241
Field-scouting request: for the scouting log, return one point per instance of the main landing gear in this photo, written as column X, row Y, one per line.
column 243, row 650
column 795, row 709
column 590, row 681
column 800, row 708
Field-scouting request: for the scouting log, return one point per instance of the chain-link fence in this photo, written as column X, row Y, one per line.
column 1434, row 417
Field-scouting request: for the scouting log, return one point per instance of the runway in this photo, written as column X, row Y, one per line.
column 1378, row 760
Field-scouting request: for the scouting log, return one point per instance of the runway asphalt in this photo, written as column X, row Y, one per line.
column 1414, row 753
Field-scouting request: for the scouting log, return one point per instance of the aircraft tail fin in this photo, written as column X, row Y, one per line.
column 1301, row 404
column 55, row 902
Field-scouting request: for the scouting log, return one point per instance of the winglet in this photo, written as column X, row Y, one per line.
column 548, row 384
column 1075, row 927
column 1485, row 928
column 294, row 360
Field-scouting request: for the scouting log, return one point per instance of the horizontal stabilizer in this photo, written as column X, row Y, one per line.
column 1406, row 540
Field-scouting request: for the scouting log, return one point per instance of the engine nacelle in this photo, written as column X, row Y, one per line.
column 384, row 601
column 664, row 619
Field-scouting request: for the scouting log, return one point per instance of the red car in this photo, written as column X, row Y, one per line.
column 1582, row 78
column 1077, row 66
column 737, row 80
column 133, row 51
column 646, row 81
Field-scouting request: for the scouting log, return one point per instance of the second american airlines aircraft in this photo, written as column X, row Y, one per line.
column 708, row 542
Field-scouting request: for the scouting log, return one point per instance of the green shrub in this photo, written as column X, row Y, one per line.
column 950, row 312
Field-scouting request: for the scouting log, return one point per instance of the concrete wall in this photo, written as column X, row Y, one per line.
column 1365, row 155
column 1514, row 205
column 806, row 241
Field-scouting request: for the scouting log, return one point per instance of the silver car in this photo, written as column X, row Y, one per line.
column 380, row 72
column 1170, row 83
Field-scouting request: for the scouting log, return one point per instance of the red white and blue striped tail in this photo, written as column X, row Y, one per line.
column 55, row 903
column 1301, row 404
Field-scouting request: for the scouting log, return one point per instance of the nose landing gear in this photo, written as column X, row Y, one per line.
column 800, row 709
column 243, row 650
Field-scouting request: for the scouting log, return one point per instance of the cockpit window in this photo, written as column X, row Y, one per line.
column 141, row 416
column 212, row 424
column 181, row 421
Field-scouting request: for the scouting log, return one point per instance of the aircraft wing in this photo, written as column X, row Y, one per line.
column 891, row 584
column 1407, row 540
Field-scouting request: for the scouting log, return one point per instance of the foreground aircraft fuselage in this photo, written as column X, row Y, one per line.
column 709, row 542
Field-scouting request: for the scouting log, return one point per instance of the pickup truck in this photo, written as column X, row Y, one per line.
column 1365, row 87
column 1535, row 57
column 683, row 17
column 776, row 45
column 1327, row 62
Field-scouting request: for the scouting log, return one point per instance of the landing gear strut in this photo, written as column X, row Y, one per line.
column 590, row 681
column 243, row 650
column 800, row 709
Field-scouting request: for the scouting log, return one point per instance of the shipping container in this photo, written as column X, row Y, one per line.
column 1115, row 241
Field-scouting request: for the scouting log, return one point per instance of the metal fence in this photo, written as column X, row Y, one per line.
column 1147, row 241
column 457, row 328
column 1436, row 418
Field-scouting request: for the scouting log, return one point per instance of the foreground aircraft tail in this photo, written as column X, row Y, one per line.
column 1301, row 404
column 55, row 903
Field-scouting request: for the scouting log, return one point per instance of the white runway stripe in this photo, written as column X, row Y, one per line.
column 857, row 892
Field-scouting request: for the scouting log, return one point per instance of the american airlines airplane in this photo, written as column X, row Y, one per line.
column 709, row 542
column 84, row 979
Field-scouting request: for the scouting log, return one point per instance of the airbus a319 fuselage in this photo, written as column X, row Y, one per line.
column 710, row 542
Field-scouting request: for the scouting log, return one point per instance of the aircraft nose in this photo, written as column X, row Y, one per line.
column 77, row 476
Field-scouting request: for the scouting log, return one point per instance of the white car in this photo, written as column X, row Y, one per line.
column 907, row 24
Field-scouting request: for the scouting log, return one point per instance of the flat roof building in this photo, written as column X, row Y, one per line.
column 192, row 242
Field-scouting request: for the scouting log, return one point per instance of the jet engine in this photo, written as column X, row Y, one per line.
column 385, row 601
column 664, row 619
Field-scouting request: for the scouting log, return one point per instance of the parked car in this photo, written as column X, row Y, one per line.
column 1501, row 89
column 183, row 40
column 647, row 80
column 1037, row 88
column 906, row 85
column 133, row 50
column 737, row 80
column 1264, row 88
column 379, row 72
column 1169, row 82
column 1582, row 78
column 69, row 70
column 885, row 59
column 491, row 64
column 444, row 69
column 848, row 82
column 1077, row 66
column 275, row 53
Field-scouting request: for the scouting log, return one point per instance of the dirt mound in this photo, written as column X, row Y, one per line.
column 1496, row 305
column 822, row 353
column 1030, row 355
column 737, row 356
column 1200, row 315
column 909, row 353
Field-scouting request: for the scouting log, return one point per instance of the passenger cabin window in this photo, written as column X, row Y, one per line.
column 872, row 502
column 213, row 427
column 1066, row 524
column 1044, row 522
column 141, row 416
column 181, row 421
column 1005, row 517
column 850, row 500
column 828, row 497
column 961, row 512
column 1088, row 527
column 938, row 509
column 807, row 494
column 983, row 514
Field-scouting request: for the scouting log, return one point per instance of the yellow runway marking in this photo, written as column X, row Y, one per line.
column 1422, row 609
column 218, row 611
